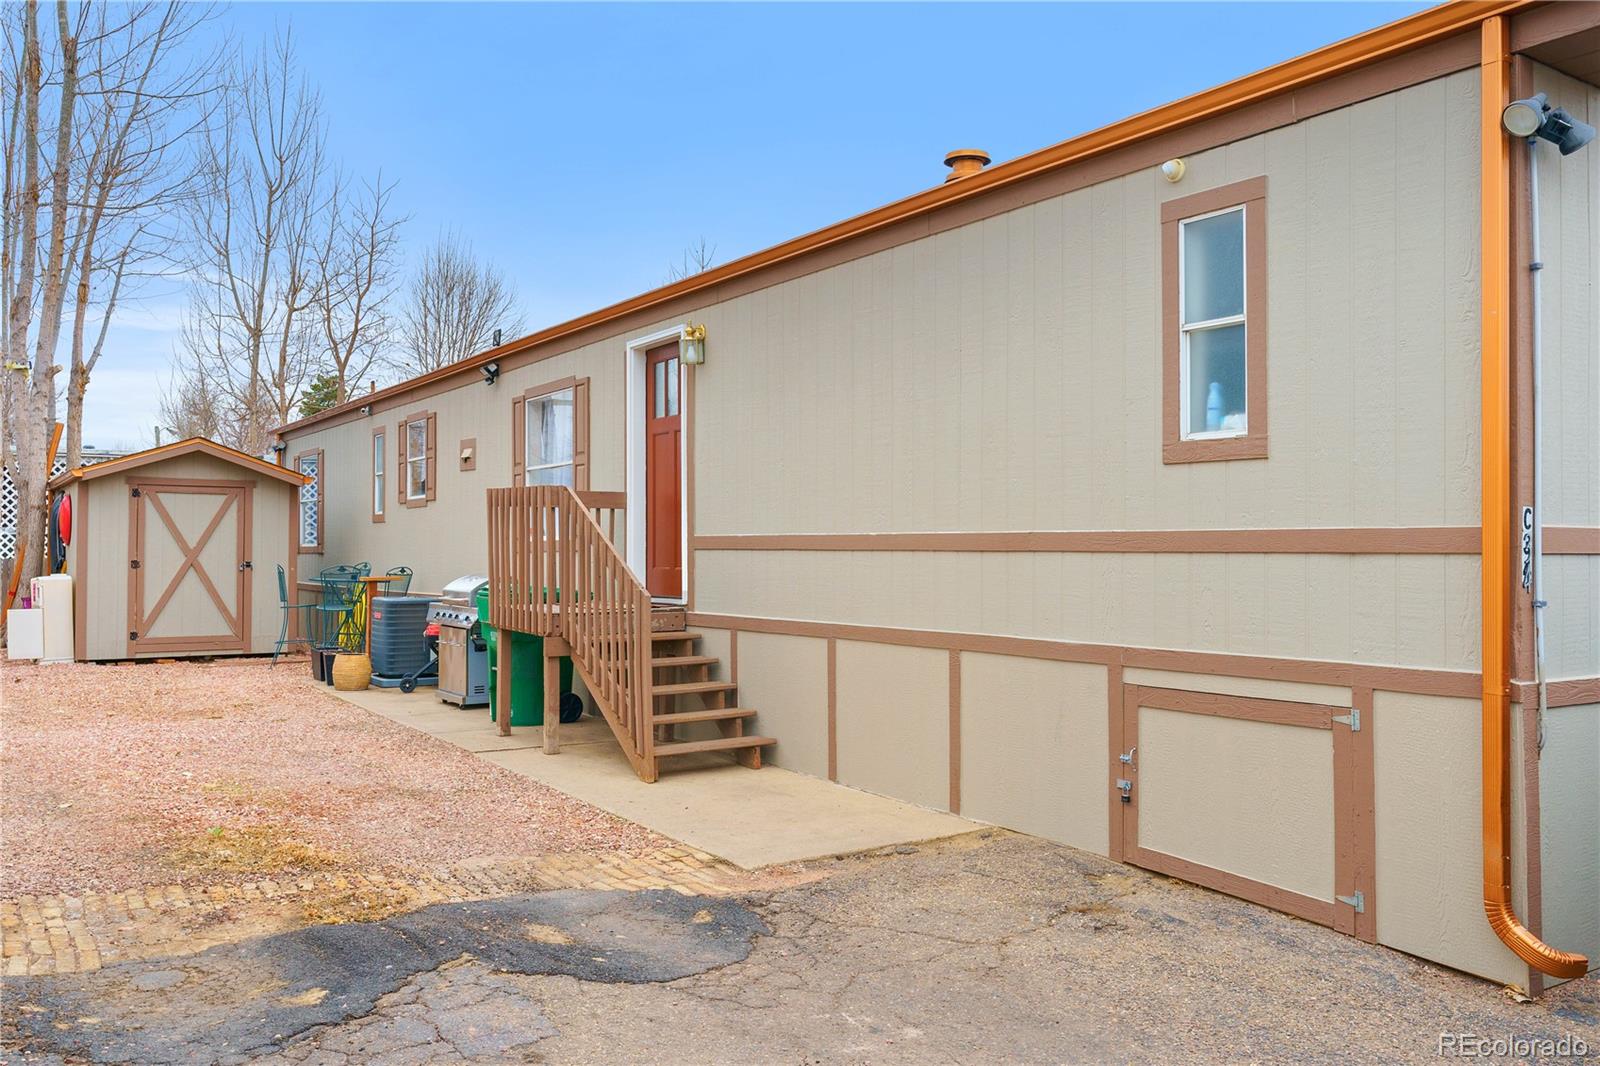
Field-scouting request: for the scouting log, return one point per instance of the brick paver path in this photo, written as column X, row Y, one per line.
column 75, row 934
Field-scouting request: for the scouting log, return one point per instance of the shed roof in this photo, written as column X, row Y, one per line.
column 172, row 451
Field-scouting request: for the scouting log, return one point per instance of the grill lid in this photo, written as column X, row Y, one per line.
column 464, row 589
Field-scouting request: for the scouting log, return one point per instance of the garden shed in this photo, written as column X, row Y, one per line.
column 174, row 551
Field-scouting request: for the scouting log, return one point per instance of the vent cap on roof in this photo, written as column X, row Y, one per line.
column 964, row 162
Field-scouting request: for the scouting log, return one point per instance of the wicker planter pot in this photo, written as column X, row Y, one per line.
column 351, row 672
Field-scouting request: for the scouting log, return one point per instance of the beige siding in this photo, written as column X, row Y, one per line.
column 446, row 538
column 785, row 679
column 1033, row 747
column 894, row 721
column 1428, row 775
column 1408, row 610
column 1569, row 824
column 106, row 627
column 1570, row 386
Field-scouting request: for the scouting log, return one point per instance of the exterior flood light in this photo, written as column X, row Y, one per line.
column 692, row 345
column 490, row 372
column 1534, row 117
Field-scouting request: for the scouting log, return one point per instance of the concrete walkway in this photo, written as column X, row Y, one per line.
column 751, row 818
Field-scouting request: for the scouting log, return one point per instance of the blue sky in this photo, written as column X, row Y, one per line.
column 582, row 147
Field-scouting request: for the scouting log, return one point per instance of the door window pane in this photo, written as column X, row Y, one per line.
column 660, row 405
column 1216, row 385
column 1213, row 267
column 672, row 385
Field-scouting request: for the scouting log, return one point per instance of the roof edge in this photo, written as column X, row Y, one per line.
column 187, row 446
column 1384, row 41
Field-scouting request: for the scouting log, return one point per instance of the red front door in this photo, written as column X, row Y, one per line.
column 663, row 474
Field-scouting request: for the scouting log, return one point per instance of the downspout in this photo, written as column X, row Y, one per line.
column 1495, row 512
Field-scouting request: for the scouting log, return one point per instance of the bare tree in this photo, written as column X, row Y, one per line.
column 356, row 268
column 138, row 109
column 454, row 306
column 37, row 176
column 263, row 192
column 191, row 406
column 697, row 259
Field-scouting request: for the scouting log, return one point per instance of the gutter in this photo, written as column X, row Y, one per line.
column 1496, row 510
column 1402, row 35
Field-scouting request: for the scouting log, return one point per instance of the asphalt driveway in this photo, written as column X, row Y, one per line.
column 987, row 948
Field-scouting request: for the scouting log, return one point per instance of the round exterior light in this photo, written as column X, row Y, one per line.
column 1522, row 118
column 1173, row 170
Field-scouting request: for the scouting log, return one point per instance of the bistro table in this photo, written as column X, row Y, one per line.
column 370, row 589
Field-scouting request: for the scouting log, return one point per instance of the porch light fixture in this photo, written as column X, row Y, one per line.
column 692, row 345
column 1534, row 117
column 1173, row 170
column 491, row 371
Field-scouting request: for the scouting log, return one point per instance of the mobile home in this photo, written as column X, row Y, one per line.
column 1168, row 492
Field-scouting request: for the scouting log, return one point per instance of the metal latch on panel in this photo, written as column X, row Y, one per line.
column 1127, row 756
column 133, row 564
column 1353, row 719
column 1126, row 788
column 1358, row 901
column 135, row 493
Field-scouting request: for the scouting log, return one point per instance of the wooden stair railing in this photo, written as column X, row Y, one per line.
column 554, row 572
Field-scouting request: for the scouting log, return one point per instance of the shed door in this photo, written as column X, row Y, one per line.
column 1264, row 799
column 189, row 566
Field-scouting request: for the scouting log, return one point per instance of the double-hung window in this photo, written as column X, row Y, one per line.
column 1214, row 280
column 550, row 436
column 418, row 473
column 379, row 478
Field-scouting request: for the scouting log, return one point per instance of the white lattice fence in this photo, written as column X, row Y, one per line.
column 9, row 509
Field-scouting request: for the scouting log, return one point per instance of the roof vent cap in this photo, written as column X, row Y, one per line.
column 964, row 162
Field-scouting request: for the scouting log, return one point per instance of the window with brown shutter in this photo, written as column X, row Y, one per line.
column 418, row 473
column 550, row 434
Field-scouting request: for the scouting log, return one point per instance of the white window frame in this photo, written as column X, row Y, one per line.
column 1187, row 329
column 529, row 441
column 380, row 470
column 412, row 459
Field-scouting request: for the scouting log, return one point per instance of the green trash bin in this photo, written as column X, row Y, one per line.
column 527, row 687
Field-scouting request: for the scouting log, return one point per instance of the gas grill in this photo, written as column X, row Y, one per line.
column 463, row 655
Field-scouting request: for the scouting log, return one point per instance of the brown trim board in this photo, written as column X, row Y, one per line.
column 1428, row 45
column 1409, row 540
column 1420, row 680
column 80, row 579
column 955, row 731
column 1573, row 692
column 833, row 709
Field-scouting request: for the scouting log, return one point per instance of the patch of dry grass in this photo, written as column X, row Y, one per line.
column 252, row 849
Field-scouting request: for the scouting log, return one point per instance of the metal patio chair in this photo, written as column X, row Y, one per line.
column 401, row 587
column 304, row 613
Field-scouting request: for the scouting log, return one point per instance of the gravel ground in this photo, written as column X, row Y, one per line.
column 116, row 776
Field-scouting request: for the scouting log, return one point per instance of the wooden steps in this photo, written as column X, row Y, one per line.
column 675, row 650
column 693, row 688
column 685, row 660
column 712, row 714
column 689, row 747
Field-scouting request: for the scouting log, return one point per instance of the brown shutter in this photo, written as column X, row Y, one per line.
column 405, row 474
column 433, row 455
column 580, row 434
column 519, row 441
